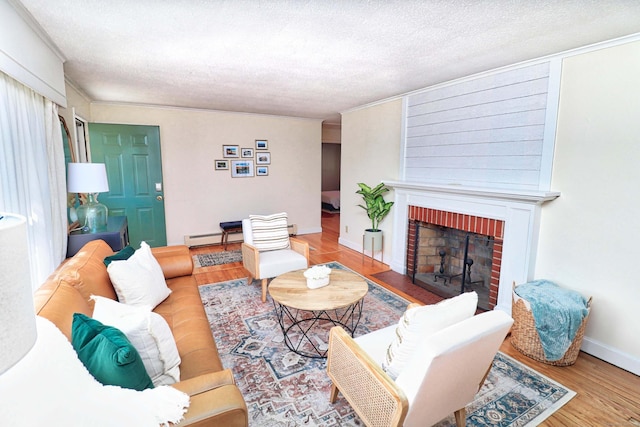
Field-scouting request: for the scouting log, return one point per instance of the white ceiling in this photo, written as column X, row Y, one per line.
column 312, row 58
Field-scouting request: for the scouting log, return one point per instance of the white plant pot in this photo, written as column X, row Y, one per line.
column 372, row 240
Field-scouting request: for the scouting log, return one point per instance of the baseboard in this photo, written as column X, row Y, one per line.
column 215, row 238
column 310, row 230
column 209, row 239
column 611, row 355
column 358, row 248
column 350, row 244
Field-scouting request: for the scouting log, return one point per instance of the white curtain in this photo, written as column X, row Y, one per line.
column 32, row 175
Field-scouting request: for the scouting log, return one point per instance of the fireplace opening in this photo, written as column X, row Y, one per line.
column 449, row 253
column 450, row 261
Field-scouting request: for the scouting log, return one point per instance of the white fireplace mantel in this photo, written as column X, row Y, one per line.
column 519, row 209
column 525, row 196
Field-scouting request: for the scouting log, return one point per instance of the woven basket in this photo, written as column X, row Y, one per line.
column 525, row 339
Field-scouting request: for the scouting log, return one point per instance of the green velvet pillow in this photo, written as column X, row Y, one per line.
column 107, row 354
column 124, row 254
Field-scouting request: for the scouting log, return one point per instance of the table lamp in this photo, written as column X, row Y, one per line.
column 17, row 316
column 90, row 178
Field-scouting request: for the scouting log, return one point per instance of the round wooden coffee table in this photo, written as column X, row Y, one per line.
column 304, row 314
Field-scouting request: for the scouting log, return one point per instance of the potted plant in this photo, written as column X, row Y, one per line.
column 377, row 209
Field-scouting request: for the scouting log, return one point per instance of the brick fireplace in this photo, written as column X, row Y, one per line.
column 511, row 217
column 492, row 228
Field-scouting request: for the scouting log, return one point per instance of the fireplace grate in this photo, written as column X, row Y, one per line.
column 444, row 260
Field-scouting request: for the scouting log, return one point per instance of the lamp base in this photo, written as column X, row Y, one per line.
column 92, row 216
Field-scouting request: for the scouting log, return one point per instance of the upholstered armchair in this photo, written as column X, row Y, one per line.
column 268, row 251
column 439, row 375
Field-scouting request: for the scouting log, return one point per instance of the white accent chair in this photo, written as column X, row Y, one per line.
column 442, row 377
column 265, row 265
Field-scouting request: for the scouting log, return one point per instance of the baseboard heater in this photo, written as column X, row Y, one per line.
column 214, row 238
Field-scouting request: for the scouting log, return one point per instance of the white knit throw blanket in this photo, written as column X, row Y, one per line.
column 51, row 386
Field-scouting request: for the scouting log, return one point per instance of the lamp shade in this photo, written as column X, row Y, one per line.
column 17, row 316
column 87, row 178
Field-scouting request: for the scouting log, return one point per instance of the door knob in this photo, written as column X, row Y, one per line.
column 159, row 198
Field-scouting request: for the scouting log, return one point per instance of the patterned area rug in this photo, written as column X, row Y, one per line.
column 282, row 388
column 217, row 258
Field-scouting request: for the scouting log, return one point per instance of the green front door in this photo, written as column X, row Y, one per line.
column 131, row 154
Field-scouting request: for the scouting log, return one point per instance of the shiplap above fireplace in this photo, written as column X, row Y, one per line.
column 491, row 131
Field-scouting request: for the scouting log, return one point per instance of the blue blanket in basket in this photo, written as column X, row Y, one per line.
column 558, row 314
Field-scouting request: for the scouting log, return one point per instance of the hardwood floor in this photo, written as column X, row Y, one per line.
column 606, row 395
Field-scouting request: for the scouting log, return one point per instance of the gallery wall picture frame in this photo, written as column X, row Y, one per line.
column 262, row 144
column 241, row 168
column 262, row 170
column 230, row 151
column 222, row 165
column 263, row 158
column 246, row 152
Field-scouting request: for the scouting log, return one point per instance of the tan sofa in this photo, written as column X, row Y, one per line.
column 215, row 399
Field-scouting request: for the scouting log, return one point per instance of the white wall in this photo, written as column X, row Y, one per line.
column 197, row 197
column 589, row 236
column 370, row 154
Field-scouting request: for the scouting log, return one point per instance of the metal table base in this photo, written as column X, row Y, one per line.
column 304, row 322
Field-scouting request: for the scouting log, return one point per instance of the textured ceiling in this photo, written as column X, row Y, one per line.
column 311, row 58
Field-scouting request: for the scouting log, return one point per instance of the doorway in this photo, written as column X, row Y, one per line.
column 133, row 160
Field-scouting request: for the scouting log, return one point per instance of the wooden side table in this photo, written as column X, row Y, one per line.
column 116, row 236
column 302, row 311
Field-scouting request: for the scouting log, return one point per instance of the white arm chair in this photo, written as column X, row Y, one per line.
column 442, row 377
column 267, row 264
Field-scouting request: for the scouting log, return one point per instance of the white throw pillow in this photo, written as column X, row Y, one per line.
column 270, row 232
column 139, row 280
column 419, row 322
column 51, row 386
column 148, row 333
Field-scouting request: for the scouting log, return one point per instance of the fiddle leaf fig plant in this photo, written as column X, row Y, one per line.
column 375, row 205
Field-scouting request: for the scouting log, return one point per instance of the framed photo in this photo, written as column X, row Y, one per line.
column 246, row 152
column 262, row 144
column 263, row 158
column 262, row 170
column 230, row 151
column 222, row 165
column 241, row 168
